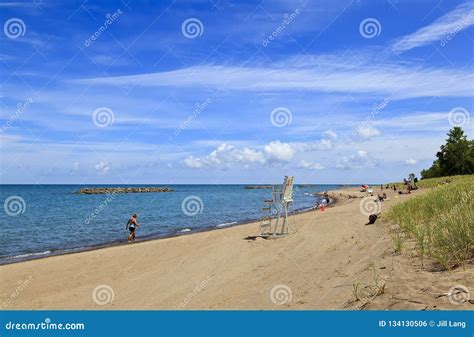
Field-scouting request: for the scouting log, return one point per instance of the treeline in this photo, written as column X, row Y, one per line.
column 456, row 157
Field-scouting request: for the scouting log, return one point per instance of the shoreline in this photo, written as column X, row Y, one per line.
column 117, row 243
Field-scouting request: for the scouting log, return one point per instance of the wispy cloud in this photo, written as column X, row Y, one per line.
column 458, row 19
column 416, row 121
column 398, row 80
column 17, row 4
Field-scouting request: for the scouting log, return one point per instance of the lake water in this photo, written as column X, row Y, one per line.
column 40, row 220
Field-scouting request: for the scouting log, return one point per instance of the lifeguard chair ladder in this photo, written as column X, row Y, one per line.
column 275, row 222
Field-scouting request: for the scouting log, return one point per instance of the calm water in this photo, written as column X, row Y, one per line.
column 55, row 220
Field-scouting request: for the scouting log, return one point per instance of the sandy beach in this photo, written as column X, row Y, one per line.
column 332, row 253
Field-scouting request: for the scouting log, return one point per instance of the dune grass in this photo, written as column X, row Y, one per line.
column 435, row 182
column 441, row 222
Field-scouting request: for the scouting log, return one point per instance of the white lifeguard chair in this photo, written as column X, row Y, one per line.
column 276, row 222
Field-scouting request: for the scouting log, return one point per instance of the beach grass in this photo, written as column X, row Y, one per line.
column 441, row 222
column 435, row 182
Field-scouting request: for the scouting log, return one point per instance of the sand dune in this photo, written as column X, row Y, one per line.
column 332, row 253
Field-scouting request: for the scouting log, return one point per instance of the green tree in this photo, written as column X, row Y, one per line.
column 456, row 157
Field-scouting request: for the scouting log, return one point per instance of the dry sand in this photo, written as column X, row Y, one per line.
column 319, row 267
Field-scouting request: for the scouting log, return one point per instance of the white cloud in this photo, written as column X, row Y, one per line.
column 102, row 167
column 193, row 162
column 224, row 156
column 309, row 165
column 356, row 161
column 330, row 134
column 320, row 145
column 279, row 151
column 323, row 144
column 247, row 155
column 367, row 131
column 451, row 23
column 273, row 152
column 411, row 161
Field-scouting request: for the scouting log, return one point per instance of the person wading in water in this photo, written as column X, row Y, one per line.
column 131, row 225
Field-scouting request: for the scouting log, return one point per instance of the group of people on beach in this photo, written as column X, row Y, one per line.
column 325, row 201
column 381, row 197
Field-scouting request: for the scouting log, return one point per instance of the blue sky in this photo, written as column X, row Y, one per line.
column 231, row 91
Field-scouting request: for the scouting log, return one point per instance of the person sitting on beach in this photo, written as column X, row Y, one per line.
column 373, row 218
column 131, row 225
column 379, row 197
column 384, row 196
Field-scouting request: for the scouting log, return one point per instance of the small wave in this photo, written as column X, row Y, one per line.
column 226, row 224
column 185, row 230
column 27, row 255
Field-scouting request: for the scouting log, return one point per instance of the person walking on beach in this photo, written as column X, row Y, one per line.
column 131, row 225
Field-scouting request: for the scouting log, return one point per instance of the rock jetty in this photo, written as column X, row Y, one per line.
column 256, row 187
column 113, row 190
